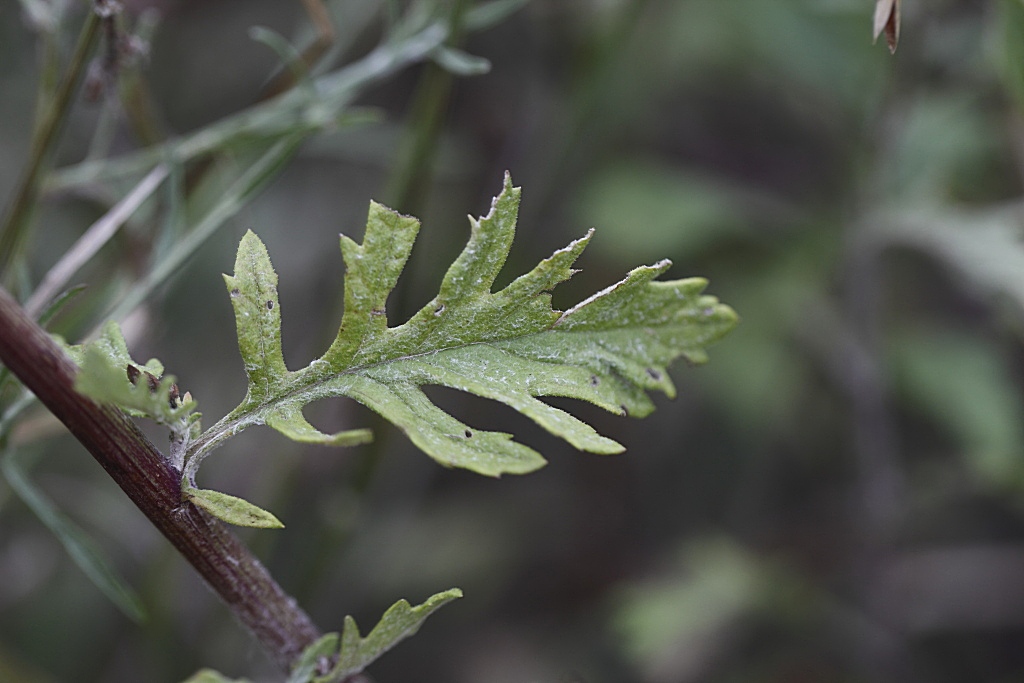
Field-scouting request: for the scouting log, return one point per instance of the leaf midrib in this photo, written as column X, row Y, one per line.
column 218, row 431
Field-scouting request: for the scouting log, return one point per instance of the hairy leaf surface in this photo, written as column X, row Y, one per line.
column 232, row 509
column 508, row 345
column 212, row 676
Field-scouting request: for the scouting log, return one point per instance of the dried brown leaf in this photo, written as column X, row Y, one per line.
column 887, row 20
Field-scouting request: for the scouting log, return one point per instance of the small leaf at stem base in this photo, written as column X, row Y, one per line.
column 887, row 20
column 232, row 509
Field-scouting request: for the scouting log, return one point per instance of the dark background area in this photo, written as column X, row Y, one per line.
column 836, row 496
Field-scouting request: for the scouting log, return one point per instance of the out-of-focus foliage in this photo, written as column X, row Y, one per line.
column 836, row 497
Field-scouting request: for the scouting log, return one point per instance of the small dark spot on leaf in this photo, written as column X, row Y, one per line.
column 152, row 381
column 654, row 374
column 439, row 310
column 594, row 381
column 270, row 305
column 377, row 311
column 235, row 292
column 133, row 374
column 469, row 434
column 173, row 397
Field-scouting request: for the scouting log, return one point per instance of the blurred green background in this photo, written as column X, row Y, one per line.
column 837, row 496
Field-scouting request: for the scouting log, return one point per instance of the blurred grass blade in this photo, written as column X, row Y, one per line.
column 59, row 302
column 98, row 234
column 290, row 57
column 212, row 676
column 959, row 381
column 55, row 307
column 42, row 16
column 460, row 63
column 296, row 111
column 231, row 202
column 507, row 345
column 490, row 14
column 984, row 246
column 16, row 219
column 79, row 546
column 1010, row 47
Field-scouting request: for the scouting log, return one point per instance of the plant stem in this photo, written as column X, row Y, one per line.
column 227, row 566
column 14, row 227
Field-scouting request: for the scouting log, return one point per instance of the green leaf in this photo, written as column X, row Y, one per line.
column 232, row 509
column 326, row 648
column 460, row 63
column 293, row 116
column 211, row 676
column 983, row 246
column 1010, row 46
column 509, row 345
column 356, row 653
column 105, row 376
column 78, row 545
column 58, row 303
column 887, row 20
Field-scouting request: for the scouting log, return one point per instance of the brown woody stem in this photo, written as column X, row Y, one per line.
column 227, row 565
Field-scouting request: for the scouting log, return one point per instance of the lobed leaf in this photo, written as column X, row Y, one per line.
column 351, row 653
column 509, row 345
column 103, row 364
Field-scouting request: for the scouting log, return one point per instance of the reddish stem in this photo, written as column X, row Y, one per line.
column 227, row 565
